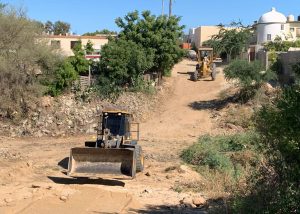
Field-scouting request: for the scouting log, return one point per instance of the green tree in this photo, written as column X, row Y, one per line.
column 49, row 27
column 89, row 47
column 232, row 40
column 122, row 62
column 2, row 6
column 279, row 45
column 155, row 34
column 104, row 31
column 60, row 27
column 78, row 61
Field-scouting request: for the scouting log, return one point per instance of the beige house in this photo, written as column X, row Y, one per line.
column 293, row 28
column 204, row 33
column 66, row 42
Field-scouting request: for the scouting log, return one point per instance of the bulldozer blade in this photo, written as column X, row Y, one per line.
column 92, row 162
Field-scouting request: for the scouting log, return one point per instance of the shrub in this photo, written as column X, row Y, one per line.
column 279, row 126
column 22, row 59
column 78, row 61
column 249, row 76
column 296, row 69
column 279, row 45
column 64, row 76
column 275, row 188
column 217, row 152
column 225, row 162
column 246, row 73
column 122, row 65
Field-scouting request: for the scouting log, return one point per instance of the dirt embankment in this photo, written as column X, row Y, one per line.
column 70, row 115
column 32, row 178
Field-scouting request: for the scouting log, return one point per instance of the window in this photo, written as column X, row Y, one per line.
column 55, row 43
column 269, row 37
column 282, row 27
column 298, row 32
column 292, row 30
column 74, row 43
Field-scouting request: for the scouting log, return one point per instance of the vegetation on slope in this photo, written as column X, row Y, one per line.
column 266, row 178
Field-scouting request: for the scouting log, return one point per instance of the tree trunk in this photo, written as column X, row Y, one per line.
column 170, row 8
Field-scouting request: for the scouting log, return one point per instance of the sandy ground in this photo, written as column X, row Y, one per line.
column 32, row 173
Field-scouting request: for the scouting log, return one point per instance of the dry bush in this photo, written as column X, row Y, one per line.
column 22, row 56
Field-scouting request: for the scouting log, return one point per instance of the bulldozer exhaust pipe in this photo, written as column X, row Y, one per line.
column 94, row 162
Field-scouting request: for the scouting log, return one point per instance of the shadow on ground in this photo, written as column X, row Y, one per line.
column 99, row 181
column 169, row 210
column 186, row 73
column 189, row 73
column 213, row 206
column 216, row 104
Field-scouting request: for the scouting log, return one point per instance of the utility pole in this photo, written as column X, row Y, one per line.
column 170, row 8
column 162, row 8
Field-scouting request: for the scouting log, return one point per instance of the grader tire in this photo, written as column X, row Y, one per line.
column 213, row 72
column 195, row 76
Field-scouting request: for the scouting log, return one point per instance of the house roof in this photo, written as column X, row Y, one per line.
column 77, row 37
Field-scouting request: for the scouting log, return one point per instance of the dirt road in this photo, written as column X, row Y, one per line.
column 32, row 178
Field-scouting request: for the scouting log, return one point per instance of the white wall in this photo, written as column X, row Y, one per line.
column 270, row 28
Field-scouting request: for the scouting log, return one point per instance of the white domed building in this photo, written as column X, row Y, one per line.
column 274, row 24
column 270, row 26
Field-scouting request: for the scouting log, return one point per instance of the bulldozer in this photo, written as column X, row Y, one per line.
column 115, row 151
column 206, row 66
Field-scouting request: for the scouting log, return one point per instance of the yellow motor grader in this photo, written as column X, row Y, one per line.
column 115, row 150
column 206, row 66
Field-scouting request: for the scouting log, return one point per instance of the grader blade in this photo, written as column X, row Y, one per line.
column 94, row 162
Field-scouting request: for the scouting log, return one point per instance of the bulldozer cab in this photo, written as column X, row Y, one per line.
column 119, row 124
column 114, row 152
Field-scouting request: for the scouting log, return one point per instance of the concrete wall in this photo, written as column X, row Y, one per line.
column 65, row 42
column 288, row 59
column 262, row 56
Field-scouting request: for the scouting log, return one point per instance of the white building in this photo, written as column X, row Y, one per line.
column 274, row 24
column 270, row 26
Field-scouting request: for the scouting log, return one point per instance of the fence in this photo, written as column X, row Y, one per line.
column 84, row 82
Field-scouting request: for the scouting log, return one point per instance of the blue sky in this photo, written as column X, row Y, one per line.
column 90, row 15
